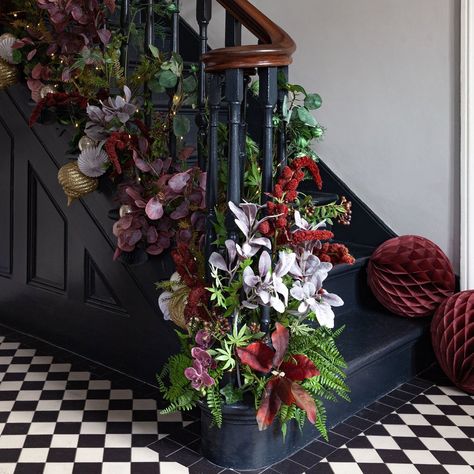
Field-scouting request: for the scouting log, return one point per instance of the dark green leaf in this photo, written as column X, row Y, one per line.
column 189, row 84
column 155, row 86
column 16, row 56
column 295, row 88
column 231, row 394
column 181, row 125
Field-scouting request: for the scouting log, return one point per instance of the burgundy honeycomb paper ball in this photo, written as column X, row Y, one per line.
column 410, row 276
column 452, row 333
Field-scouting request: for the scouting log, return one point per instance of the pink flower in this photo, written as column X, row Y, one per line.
column 198, row 376
column 204, row 358
column 203, row 339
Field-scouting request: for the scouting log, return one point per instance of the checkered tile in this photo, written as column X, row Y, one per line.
column 60, row 417
column 433, row 433
column 55, row 418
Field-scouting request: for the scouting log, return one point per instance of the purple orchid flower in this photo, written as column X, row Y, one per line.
column 203, row 357
column 198, row 376
column 203, row 339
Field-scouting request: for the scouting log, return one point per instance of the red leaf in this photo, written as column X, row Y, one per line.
column 271, row 403
column 299, row 368
column 304, row 401
column 280, row 338
column 258, row 356
column 110, row 4
column 283, row 390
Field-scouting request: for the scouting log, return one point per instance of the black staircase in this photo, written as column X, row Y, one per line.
column 111, row 315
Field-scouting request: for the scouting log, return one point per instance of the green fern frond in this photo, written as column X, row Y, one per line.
column 214, row 402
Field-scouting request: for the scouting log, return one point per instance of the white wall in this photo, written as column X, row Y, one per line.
column 388, row 72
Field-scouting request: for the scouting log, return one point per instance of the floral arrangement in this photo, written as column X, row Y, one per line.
column 286, row 362
column 261, row 328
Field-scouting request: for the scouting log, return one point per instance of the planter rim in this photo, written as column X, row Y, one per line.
column 237, row 411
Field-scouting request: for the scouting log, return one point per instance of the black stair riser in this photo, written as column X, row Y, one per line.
column 382, row 375
column 350, row 283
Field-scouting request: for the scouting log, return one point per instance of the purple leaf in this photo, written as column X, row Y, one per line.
column 178, row 182
column 181, row 211
column 104, row 35
column 154, row 209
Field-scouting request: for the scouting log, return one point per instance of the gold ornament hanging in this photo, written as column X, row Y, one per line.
column 86, row 142
column 45, row 90
column 8, row 74
column 74, row 183
column 125, row 209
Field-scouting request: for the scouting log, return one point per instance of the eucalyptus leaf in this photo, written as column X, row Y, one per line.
column 181, row 125
column 168, row 79
column 155, row 86
column 189, row 84
column 306, row 117
column 313, row 101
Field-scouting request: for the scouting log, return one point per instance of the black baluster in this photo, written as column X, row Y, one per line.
column 243, row 131
column 215, row 92
column 203, row 16
column 268, row 95
column 175, row 49
column 282, row 156
column 268, row 92
column 124, row 25
column 233, row 31
column 175, row 27
column 149, row 37
column 234, row 92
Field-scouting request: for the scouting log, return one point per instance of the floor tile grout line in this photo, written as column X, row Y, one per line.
column 404, row 403
column 381, row 420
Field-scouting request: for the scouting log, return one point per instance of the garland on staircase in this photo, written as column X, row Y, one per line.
column 69, row 53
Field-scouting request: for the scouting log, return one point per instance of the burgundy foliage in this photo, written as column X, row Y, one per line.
column 283, row 386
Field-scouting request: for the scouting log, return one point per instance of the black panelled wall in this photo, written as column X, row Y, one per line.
column 57, row 277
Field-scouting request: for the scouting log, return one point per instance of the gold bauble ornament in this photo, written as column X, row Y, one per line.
column 8, row 74
column 125, row 209
column 86, row 142
column 45, row 90
column 74, row 183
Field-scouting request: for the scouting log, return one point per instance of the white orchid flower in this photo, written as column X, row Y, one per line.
column 314, row 298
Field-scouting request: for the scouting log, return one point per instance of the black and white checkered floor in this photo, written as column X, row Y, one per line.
column 60, row 415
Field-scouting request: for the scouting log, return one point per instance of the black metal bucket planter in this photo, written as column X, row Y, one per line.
column 239, row 444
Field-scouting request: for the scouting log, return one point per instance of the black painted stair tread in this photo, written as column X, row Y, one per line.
column 372, row 333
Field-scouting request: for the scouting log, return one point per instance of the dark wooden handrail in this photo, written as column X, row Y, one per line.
column 275, row 49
